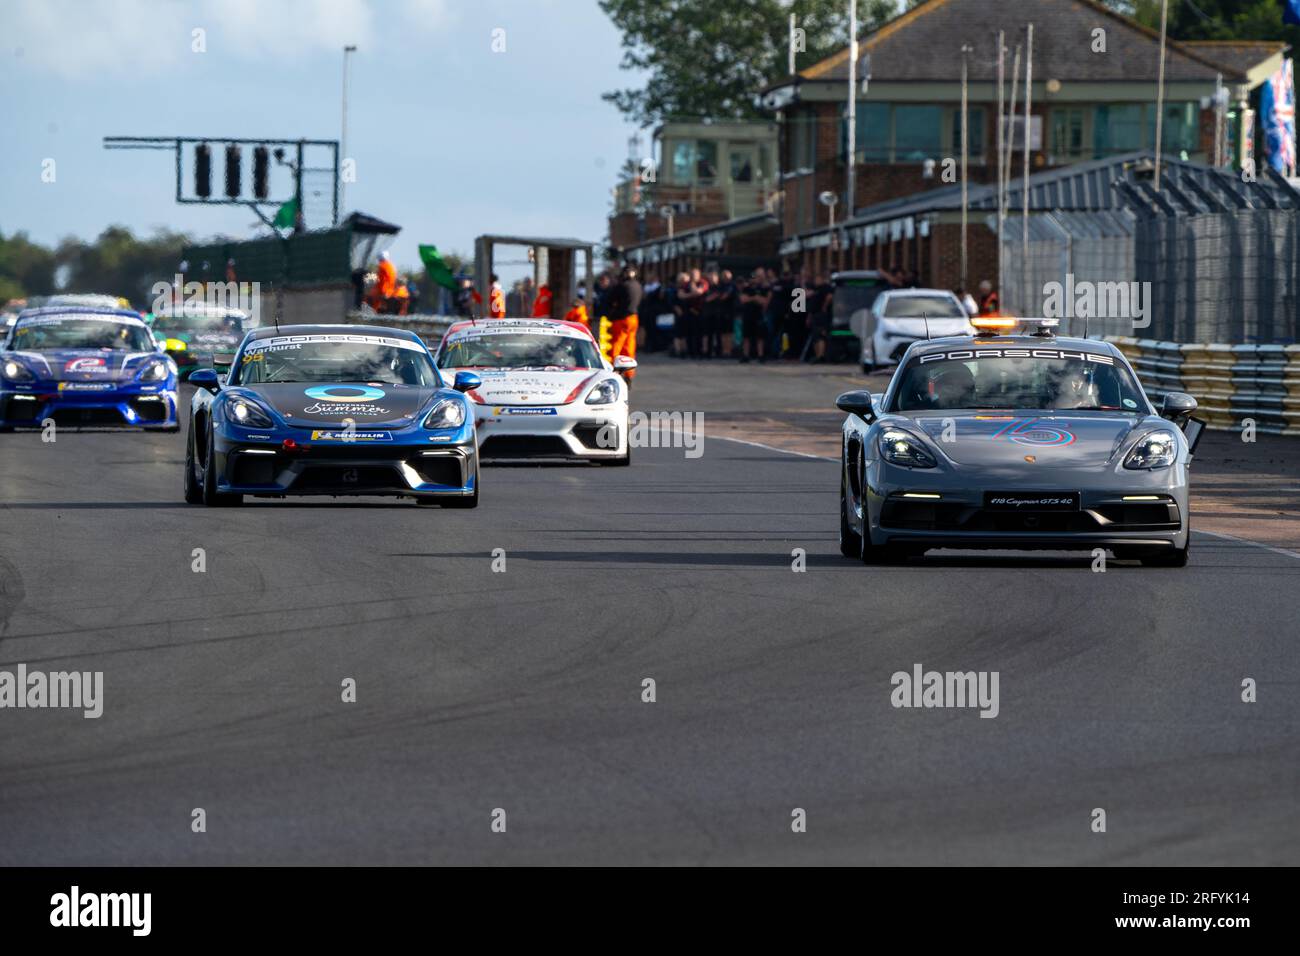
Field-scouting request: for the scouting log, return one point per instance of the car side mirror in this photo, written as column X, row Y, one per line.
column 465, row 381
column 1177, row 406
column 857, row 403
column 1192, row 429
column 205, row 378
column 624, row 363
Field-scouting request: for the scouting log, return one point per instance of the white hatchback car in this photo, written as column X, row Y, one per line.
column 547, row 391
column 899, row 317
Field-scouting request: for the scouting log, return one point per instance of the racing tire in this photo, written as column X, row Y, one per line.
column 850, row 540
column 1168, row 559
column 211, row 497
column 470, row 501
column 193, row 491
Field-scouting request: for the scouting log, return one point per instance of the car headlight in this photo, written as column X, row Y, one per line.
column 1155, row 450
column 448, row 413
column 17, row 372
column 603, row 392
column 155, row 372
column 249, row 414
column 901, row 447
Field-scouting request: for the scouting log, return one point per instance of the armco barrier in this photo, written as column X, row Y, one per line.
column 1231, row 383
column 431, row 328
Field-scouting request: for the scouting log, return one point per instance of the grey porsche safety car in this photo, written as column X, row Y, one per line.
column 1015, row 441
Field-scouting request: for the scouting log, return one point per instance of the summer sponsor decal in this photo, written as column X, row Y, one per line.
column 344, row 399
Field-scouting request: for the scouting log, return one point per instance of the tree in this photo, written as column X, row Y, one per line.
column 1214, row 19
column 120, row 264
column 26, row 268
column 705, row 61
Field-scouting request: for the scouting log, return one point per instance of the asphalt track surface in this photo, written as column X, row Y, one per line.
column 522, row 690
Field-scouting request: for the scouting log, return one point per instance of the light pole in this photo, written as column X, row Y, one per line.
column 852, row 145
column 343, row 182
column 965, row 151
column 1160, row 92
column 668, row 212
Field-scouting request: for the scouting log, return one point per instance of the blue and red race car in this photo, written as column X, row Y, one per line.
column 331, row 410
column 84, row 366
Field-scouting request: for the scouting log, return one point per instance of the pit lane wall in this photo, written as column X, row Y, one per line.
column 1231, row 383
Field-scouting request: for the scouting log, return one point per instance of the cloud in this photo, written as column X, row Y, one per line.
column 73, row 39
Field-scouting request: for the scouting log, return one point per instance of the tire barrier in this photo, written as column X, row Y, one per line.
column 1231, row 383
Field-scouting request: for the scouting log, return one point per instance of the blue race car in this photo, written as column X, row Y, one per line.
column 331, row 410
column 78, row 365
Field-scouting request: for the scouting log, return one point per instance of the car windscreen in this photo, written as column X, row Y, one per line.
column 81, row 332
column 334, row 358
column 519, row 350
column 854, row 295
column 1036, row 379
column 916, row 306
column 180, row 322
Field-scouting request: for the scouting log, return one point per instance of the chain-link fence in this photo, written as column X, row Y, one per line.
column 1231, row 277
column 1068, row 249
column 1221, row 277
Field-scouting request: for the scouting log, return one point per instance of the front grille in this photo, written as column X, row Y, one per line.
column 18, row 412
column 590, row 435
column 150, row 411
column 524, row 446
column 907, row 514
column 1142, row 516
column 84, row 417
column 346, row 478
column 438, row 471
column 253, row 470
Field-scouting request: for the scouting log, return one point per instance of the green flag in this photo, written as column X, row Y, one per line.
column 286, row 215
column 436, row 269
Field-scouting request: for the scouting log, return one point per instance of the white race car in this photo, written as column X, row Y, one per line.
column 547, row 391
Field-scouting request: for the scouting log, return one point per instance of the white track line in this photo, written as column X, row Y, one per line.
column 759, row 444
column 1232, row 537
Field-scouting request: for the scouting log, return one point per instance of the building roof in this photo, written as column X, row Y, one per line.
column 923, row 44
column 1097, row 198
column 1239, row 55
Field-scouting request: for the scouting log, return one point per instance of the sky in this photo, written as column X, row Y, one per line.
column 450, row 139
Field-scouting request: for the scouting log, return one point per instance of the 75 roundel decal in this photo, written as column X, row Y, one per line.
column 1028, row 431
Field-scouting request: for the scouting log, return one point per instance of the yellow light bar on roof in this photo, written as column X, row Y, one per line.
column 989, row 323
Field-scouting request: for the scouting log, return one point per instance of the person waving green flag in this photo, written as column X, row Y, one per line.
column 436, row 269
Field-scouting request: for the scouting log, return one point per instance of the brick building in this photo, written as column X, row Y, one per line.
column 1093, row 100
